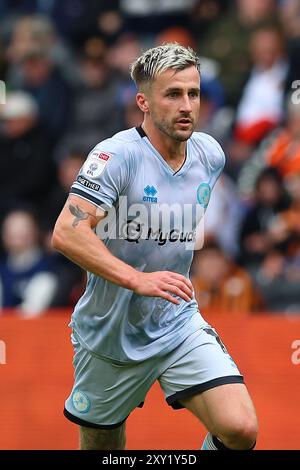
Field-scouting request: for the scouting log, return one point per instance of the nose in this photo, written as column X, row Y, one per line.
column 185, row 105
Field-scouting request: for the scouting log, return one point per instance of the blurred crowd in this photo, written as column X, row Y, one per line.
column 65, row 65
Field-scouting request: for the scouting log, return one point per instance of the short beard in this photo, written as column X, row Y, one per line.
column 166, row 129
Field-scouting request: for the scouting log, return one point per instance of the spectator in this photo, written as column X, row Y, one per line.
column 286, row 225
column 70, row 277
column 278, row 279
column 33, row 31
column 284, row 152
column 74, row 19
column 45, row 83
column 148, row 17
column 206, row 14
column 215, row 118
column 226, row 36
column 278, row 274
column 27, row 274
column 96, row 113
column 289, row 11
column 176, row 34
column 270, row 199
column 261, row 106
column 26, row 168
column 51, row 206
column 3, row 62
column 220, row 285
column 122, row 54
column 133, row 116
column 280, row 150
column 224, row 210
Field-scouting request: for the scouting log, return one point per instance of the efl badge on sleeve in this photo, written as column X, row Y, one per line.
column 95, row 164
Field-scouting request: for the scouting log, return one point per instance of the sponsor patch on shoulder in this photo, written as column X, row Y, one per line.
column 94, row 167
column 88, row 184
column 99, row 154
column 104, row 156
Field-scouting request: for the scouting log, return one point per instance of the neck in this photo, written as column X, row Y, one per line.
column 170, row 149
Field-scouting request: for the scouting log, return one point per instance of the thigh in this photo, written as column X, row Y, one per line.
column 201, row 363
column 102, row 439
column 223, row 408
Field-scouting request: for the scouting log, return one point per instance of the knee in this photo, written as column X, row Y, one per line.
column 240, row 434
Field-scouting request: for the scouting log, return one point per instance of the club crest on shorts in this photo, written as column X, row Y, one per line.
column 81, row 402
column 203, row 194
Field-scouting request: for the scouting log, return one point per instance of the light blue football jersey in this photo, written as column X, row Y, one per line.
column 153, row 214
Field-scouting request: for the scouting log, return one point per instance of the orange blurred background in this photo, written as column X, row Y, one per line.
column 38, row 375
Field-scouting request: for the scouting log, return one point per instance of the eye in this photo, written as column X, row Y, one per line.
column 194, row 94
column 173, row 94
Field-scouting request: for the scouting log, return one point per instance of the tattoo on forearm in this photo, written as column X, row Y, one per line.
column 79, row 214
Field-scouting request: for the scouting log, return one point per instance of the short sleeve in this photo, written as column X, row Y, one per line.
column 215, row 157
column 220, row 161
column 104, row 176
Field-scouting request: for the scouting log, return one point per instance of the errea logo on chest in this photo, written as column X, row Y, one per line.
column 150, row 193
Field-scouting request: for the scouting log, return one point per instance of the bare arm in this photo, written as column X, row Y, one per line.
column 74, row 237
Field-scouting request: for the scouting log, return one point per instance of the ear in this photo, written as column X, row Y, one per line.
column 142, row 102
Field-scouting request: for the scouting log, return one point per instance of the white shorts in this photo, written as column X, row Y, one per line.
column 105, row 392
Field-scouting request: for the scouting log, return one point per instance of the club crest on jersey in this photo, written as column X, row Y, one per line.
column 150, row 193
column 203, row 194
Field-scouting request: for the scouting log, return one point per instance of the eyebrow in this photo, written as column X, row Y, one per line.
column 168, row 90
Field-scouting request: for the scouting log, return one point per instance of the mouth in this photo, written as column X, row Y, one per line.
column 184, row 122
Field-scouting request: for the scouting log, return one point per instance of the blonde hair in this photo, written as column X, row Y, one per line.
column 158, row 59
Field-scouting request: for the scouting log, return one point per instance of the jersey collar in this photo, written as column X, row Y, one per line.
column 184, row 165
